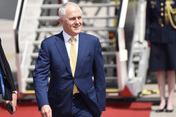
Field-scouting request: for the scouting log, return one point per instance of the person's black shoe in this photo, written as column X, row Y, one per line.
column 161, row 110
column 169, row 111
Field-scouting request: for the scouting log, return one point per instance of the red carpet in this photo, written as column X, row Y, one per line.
column 113, row 109
column 127, row 109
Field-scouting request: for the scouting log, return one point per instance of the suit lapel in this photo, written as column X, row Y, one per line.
column 81, row 50
column 60, row 44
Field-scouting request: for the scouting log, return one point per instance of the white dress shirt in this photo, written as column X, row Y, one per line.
column 68, row 42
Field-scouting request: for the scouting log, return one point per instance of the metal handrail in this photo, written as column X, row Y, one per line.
column 17, row 22
column 16, row 30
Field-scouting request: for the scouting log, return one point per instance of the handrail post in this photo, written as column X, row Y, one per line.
column 121, row 53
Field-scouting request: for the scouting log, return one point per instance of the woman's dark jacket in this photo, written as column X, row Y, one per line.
column 7, row 75
column 156, row 29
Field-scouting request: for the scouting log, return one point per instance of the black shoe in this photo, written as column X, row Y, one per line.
column 161, row 110
column 169, row 111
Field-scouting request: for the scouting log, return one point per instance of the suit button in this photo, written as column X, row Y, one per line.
column 162, row 3
column 162, row 25
column 162, row 14
column 162, row 9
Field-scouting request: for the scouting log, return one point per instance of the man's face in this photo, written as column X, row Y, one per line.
column 72, row 22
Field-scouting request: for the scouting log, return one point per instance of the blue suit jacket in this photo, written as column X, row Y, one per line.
column 155, row 17
column 53, row 58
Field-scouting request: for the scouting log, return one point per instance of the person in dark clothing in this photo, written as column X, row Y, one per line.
column 7, row 87
column 161, row 37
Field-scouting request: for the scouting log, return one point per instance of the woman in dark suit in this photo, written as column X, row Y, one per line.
column 161, row 36
column 7, row 87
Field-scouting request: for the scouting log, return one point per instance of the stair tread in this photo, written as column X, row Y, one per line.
column 54, row 6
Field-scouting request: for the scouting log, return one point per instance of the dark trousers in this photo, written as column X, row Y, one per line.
column 79, row 108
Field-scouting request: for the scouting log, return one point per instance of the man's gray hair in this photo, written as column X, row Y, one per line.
column 62, row 9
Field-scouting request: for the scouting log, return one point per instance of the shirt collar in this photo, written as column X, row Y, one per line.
column 67, row 36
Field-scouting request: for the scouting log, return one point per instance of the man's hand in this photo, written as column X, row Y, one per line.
column 101, row 114
column 46, row 111
column 13, row 102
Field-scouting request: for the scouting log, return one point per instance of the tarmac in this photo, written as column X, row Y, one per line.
column 8, row 43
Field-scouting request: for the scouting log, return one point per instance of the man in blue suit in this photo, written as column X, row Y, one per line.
column 55, row 57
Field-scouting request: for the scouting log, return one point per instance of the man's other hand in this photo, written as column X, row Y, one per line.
column 46, row 111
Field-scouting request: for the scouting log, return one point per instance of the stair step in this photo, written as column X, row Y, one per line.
column 30, row 79
column 55, row 18
column 107, row 41
column 59, row 28
column 32, row 67
column 108, row 53
column 111, row 77
column 37, row 42
column 137, row 50
column 111, row 90
column 35, row 55
column 56, row 6
column 136, row 59
column 101, row 41
column 110, row 65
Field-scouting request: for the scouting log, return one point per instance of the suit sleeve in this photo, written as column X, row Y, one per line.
column 40, row 76
column 99, row 77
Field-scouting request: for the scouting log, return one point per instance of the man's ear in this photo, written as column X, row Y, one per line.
column 60, row 21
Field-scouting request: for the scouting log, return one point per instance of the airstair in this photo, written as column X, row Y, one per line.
column 37, row 19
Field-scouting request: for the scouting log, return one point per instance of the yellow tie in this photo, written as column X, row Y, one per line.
column 73, row 60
